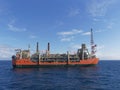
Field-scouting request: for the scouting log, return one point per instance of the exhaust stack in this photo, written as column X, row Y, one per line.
column 37, row 48
column 48, row 49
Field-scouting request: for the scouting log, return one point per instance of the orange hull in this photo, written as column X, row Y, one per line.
column 29, row 63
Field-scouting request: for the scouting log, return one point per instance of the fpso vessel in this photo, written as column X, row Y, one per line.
column 82, row 57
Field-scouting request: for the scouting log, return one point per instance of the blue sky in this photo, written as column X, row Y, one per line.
column 65, row 24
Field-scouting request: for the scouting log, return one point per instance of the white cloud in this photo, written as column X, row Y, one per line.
column 96, row 19
column 72, row 32
column 102, row 30
column 13, row 28
column 99, row 19
column 67, row 38
column 98, row 31
column 76, row 46
column 33, row 36
column 16, row 29
column 110, row 25
column 6, row 52
column 74, row 12
column 99, row 8
column 99, row 47
column 86, row 33
column 68, row 35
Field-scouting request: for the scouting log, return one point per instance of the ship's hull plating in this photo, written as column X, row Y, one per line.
column 27, row 63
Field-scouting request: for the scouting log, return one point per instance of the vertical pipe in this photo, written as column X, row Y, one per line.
column 83, row 54
column 37, row 52
column 48, row 48
column 20, row 54
column 68, row 57
column 29, row 51
column 37, row 48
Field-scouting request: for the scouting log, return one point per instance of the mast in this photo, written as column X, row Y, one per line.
column 92, row 42
column 92, row 45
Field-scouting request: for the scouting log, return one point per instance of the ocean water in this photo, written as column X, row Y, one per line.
column 104, row 76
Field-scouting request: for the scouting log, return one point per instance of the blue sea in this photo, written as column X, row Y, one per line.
column 104, row 76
